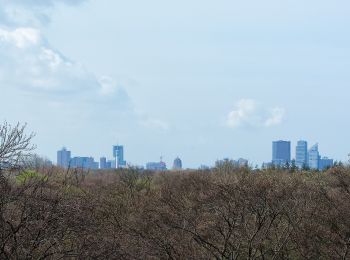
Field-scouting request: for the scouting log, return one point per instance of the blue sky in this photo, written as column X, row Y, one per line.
column 202, row 80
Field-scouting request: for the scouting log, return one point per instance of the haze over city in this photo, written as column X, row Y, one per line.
column 202, row 80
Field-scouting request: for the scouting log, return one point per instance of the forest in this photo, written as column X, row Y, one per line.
column 226, row 212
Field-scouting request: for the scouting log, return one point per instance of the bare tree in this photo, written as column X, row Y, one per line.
column 15, row 145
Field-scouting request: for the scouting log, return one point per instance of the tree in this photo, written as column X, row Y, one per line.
column 293, row 166
column 15, row 145
column 287, row 165
column 305, row 167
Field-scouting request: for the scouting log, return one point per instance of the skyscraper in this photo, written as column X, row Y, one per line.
column 156, row 166
column 177, row 164
column 301, row 155
column 84, row 163
column 103, row 163
column 63, row 158
column 118, row 154
column 109, row 164
column 242, row 162
column 325, row 163
column 314, row 157
column 281, row 152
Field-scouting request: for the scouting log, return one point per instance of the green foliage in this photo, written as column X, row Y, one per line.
column 135, row 180
column 30, row 175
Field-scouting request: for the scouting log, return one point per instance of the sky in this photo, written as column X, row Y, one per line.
column 200, row 79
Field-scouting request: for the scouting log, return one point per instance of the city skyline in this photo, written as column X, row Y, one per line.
column 175, row 79
column 303, row 158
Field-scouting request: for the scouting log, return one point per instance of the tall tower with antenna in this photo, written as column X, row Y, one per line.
column 118, row 154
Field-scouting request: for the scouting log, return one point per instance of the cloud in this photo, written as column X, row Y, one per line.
column 21, row 37
column 108, row 85
column 29, row 64
column 242, row 114
column 42, row 3
column 30, row 69
column 276, row 117
column 29, row 12
column 248, row 112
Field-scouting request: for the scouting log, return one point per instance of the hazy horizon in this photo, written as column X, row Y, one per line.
column 201, row 80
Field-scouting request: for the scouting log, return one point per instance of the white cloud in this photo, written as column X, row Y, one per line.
column 248, row 112
column 108, row 85
column 29, row 63
column 43, row 3
column 242, row 114
column 21, row 37
column 29, row 12
column 277, row 115
column 53, row 59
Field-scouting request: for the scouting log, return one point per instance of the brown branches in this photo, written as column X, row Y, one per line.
column 15, row 145
column 189, row 215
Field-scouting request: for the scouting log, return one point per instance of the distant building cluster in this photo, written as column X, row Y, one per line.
column 238, row 163
column 65, row 160
column 106, row 164
column 304, row 157
column 156, row 166
column 84, row 162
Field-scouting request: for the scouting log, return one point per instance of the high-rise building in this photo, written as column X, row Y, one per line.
column 156, row 166
column 204, row 167
column 301, row 160
column 103, row 163
column 325, row 163
column 242, row 162
column 267, row 165
column 63, row 158
column 314, row 158
column 112, row 163
column 118, row 154
column 84, row 163
column 177, row 164
column 95, row 165
column 109, row 165
column 281, row 153
column 106, row 164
